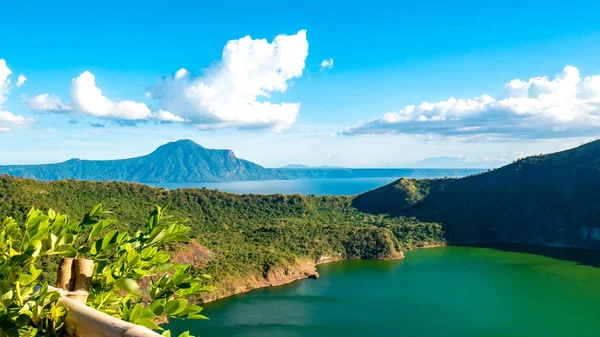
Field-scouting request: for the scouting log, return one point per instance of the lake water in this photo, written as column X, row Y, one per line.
column 302, row 186
column 447, row 291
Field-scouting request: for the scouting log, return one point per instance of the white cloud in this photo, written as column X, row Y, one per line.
column 21, row 80
column 165, row 116
column 539, row 108
column 47, row 102
column 327, row 64
column 231, row 93
column 88, row 99
column 235, row 91
column 8, row 120
column 4, row 80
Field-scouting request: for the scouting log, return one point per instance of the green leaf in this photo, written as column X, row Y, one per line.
column 26, row 279
column 136, row 313
column 109, row 239
column 174, row 307
column 99, row 226
column 148, row 323
column 157, row 234
column 129, row 286
column 147, row 313
column 95, row 210
column 158, row 306
column 191, row 310
column 207, row 288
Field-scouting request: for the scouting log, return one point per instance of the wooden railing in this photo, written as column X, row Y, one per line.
column 73, row 282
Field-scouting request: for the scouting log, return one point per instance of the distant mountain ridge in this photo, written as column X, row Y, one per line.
column 184, row 161
column 302, row 166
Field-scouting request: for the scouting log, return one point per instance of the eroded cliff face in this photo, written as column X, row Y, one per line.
column 369, row 244
column 277, row 276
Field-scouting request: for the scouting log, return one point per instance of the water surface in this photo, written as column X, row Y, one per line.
column 447, row 291
column 339, row 186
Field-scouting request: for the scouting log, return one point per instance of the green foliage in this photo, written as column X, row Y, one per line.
column 238, row 235
column 123, row 261
column 21, row 247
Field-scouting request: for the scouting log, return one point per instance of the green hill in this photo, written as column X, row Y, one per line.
column 545, row 199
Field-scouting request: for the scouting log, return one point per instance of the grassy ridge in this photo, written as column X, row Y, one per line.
column 246, row 234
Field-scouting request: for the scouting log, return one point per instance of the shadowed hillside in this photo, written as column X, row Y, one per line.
column 546, row 199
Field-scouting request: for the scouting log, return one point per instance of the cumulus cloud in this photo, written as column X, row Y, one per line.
column 165, row 116
column 4, row 80
column 235, row 91
column 565, row 106
column 8, row 120
column 327, row 64
column 21, row 80
column 47, row 102
column 87, row 99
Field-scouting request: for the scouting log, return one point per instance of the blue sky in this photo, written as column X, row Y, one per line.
column 387, row 57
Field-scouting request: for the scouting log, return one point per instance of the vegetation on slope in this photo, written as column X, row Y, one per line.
column 543, row 199
column 236, row 235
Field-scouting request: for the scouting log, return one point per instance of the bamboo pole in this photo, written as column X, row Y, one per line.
column 64, row 277
column 73, row 281
column 82, row 320
column 75, row 276
column 83, row 270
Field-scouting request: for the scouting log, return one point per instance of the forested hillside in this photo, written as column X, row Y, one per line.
column 237, row 237
column 545, row 199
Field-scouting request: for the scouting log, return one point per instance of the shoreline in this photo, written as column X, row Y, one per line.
column 281, row 275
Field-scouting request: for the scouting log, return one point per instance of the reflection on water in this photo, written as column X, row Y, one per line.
column 581, row 256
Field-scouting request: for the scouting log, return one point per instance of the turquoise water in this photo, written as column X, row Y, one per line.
column 448, row 291
column 302, row 186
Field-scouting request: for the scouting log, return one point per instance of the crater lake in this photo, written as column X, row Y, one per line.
column 506, row 290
